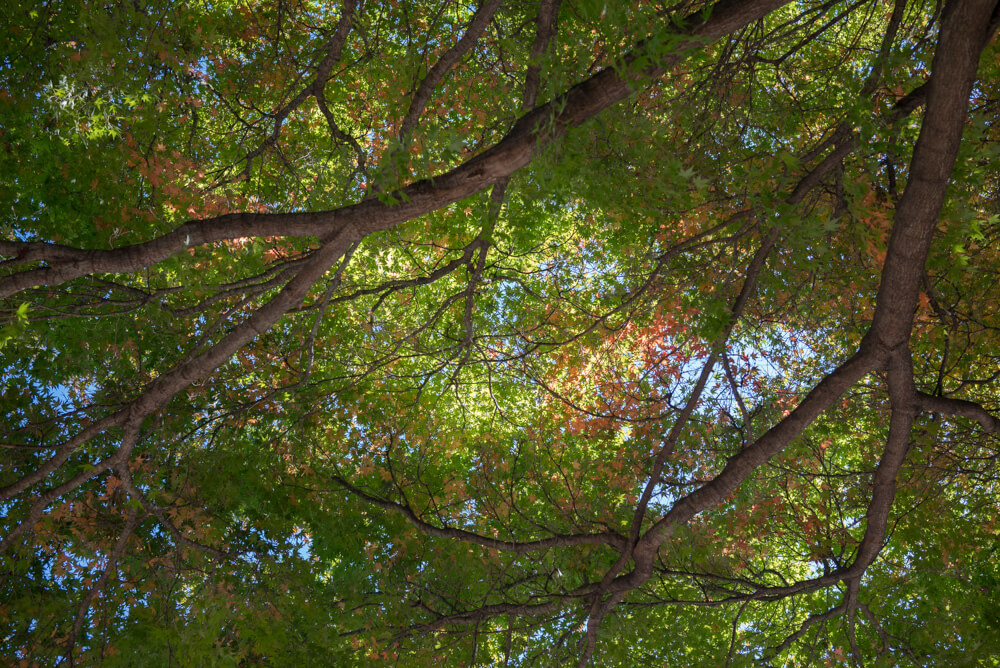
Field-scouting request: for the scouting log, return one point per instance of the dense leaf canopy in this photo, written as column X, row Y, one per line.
column 424, row 332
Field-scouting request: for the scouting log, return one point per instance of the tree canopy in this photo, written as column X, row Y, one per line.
column 556, row 332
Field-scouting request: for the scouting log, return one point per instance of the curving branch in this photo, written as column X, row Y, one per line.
column 480, row 614
column 917, row 214
column 807, row 624
column 548, row 13
column 515, row 547
column 161, row 390
column 968, row 409
column 965, row 26
column 340, row 229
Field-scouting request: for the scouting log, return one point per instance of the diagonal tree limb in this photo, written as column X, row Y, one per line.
column 334, row 48
column 480, row 20
column 753, row 272
column 828, row 390
column 548, row 13
column 738, row 397
column 743, row 464
column 954, row 65
column 804, row 627
column 528, row 137
column 161, row 390
column 601, row 606
column 964, row 32
column 954, row 68
column 110, row 568
column 904, row 409
column 886, row 343
column 476, row 616
column 129, row 439
column 515, row 151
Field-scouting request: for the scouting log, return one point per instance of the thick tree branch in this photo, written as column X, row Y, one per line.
column 548, row 13
column 954, row 69
column 963, row 36
column 969, row 409
column 743, row 464
column 807, row 624
column 529, row 136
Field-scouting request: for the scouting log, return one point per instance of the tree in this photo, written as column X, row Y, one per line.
column 517, row 333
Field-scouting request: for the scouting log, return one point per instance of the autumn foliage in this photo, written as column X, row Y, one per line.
column 500, row 333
